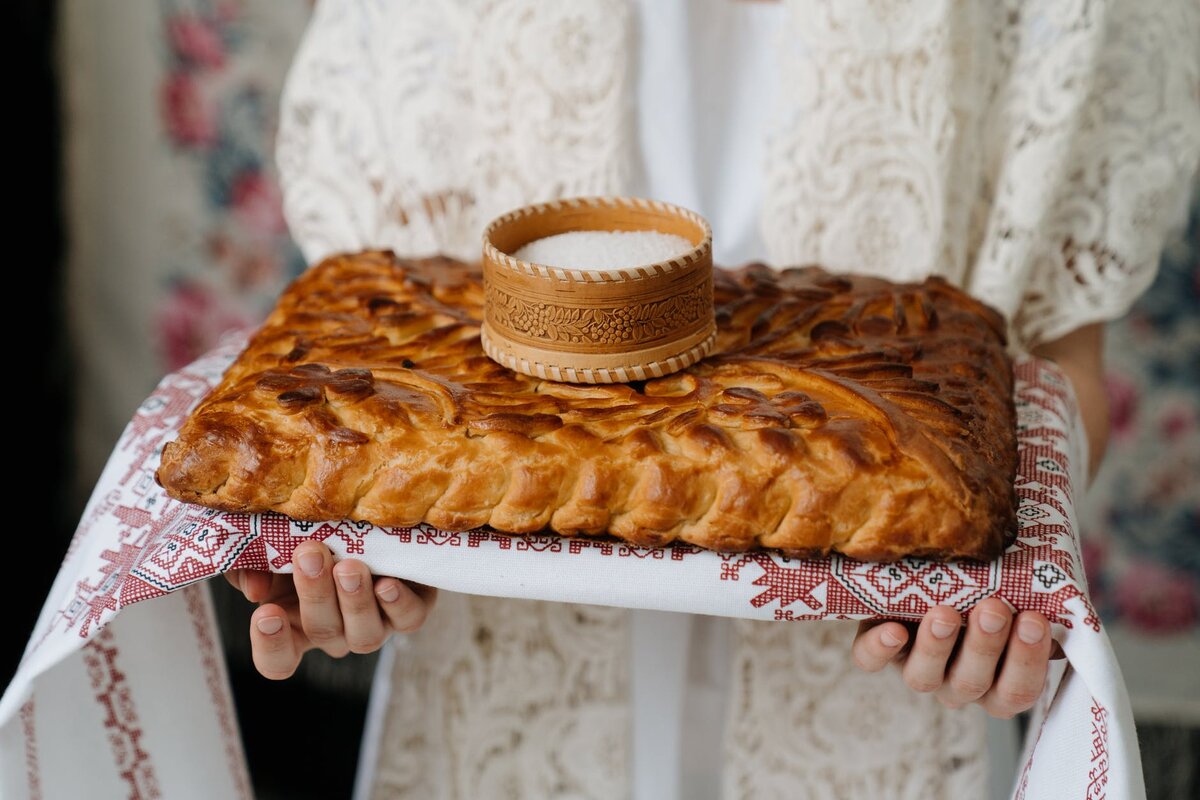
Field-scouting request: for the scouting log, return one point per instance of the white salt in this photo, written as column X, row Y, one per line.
column 598, row 250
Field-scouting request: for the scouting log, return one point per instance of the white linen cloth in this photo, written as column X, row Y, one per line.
column 113, row 701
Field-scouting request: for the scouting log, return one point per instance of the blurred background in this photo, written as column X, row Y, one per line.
column 156, row 227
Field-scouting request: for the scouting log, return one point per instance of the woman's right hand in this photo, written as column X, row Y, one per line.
column 338, row 607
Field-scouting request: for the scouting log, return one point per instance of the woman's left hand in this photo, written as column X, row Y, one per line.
column 994, row 660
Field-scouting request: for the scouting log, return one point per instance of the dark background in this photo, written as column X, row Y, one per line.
column 38, row 401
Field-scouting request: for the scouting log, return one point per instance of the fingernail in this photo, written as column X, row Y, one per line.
column 890, row 639
column 1030, row 632
column 349, row 581
column 311, row 564
column 942, row 629
column 389, row 593
column 270, row 625
column 991, row 622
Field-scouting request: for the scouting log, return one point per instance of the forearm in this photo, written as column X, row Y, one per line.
column 1080, row 354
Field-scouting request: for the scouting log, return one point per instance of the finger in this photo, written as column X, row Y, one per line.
column 973, row 669
column 272, row 644
column 877, row 644
column 253, row 585
column 403, row 606
column 362, row 621
column 925, row 668
column 320, row 616
column 258, row 585
column 1023, row 674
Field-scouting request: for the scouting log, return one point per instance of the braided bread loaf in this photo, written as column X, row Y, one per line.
column 840, row 414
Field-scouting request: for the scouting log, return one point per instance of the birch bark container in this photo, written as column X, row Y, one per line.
column 597, row 326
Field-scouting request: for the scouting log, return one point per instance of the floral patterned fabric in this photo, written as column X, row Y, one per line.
column 1148, row 493
column 176, row 230
column 1141, row 520
column 218, row 109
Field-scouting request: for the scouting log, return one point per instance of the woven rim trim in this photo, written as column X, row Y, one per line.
column 625, row 374
column 598, row 276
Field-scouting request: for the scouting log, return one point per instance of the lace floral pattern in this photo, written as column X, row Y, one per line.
column 509, row 699
column 803, row 722
column 415, row 139
column 1030, row 150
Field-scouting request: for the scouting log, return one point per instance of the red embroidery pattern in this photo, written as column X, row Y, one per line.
column 1038, row 572
column 1023, row 782
column 155, row 545
column 218, row 690
column 1098, row 774
column 33, row 775
column 1040, row 711
column 132, row 762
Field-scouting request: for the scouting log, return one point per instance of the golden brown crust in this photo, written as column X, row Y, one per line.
column 841, row 414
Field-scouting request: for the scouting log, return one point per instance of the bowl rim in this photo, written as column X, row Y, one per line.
column 697, row 254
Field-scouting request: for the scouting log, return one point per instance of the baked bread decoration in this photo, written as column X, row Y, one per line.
column 843, row 414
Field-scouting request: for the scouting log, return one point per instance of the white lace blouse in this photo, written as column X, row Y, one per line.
column 1032, row 151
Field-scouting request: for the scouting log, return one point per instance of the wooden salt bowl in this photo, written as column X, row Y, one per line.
column 607, row 326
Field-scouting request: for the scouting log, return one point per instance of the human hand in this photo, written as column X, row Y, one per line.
column 325, row 605
column 999, row 663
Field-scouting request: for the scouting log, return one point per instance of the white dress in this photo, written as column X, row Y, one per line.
column 1032, row 152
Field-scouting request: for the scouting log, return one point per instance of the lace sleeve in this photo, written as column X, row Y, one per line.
column 409, row 124
column 1101, row 119
column 1031, row 151
column 316, row 158
column 368, row 149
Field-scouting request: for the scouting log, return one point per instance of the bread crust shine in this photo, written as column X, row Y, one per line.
column 837, row 414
